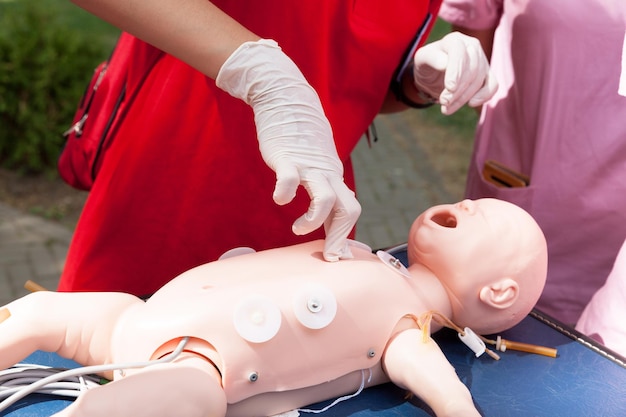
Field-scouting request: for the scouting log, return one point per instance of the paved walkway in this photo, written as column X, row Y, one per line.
column 397, row 178
column 30, row 249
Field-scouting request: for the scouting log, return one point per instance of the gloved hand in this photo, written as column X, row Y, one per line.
column 455, row 71
column 295, row 139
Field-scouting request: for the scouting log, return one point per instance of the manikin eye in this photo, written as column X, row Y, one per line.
column 445, row 220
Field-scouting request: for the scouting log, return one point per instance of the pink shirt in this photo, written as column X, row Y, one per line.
column 558, row 118
column 603, row 318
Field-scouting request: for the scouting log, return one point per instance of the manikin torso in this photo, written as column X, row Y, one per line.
column 210, row 303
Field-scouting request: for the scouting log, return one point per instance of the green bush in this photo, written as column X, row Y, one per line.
column 45, row 65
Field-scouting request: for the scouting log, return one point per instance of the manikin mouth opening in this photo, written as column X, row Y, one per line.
column 444, row 219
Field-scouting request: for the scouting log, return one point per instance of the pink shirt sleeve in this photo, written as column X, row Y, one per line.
column 472, row 14
column 603, row 318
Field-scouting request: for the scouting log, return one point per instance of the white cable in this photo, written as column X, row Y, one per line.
column 54, row 387
column 340, row 399
column 86, row 370
column 21, row 375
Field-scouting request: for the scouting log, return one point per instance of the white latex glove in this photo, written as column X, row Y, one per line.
column 295, row 139
column 455, row 71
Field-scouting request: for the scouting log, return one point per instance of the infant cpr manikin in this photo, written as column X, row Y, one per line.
column 267, row 332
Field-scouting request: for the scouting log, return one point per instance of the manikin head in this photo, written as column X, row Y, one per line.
column 490, row 256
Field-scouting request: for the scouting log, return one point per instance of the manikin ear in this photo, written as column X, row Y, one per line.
column 500, row 294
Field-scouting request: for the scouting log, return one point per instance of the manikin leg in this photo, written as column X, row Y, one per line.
column 189, row 386
column 77, row 326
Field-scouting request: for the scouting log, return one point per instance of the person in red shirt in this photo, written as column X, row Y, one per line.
column 183, row 181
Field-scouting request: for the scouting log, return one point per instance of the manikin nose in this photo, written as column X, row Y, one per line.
column 468, row 206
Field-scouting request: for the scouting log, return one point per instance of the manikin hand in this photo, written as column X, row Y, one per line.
column 295, row 139
column 454, row 70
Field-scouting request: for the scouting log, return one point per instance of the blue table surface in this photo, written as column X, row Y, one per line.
column 583, row 380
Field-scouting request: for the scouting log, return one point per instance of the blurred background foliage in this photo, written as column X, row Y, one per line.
column 48, row 51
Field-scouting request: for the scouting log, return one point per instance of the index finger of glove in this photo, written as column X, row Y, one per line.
column 469, row 83
column 486, row 92
column 323, row 199
column 340, row 222
column 466, row 63
column 287, row 182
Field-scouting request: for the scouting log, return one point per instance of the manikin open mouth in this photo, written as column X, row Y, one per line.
column 444, row 217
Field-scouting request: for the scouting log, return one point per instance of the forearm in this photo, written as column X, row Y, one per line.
column 195, row 31
column 422, row 368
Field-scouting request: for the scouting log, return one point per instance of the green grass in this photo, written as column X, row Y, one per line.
column 461, row 123
column 69, row 14
column 48, row 50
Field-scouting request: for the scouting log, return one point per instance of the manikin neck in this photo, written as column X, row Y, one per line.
column 430, row 291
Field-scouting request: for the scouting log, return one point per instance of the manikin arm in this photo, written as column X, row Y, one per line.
column 424, row 370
